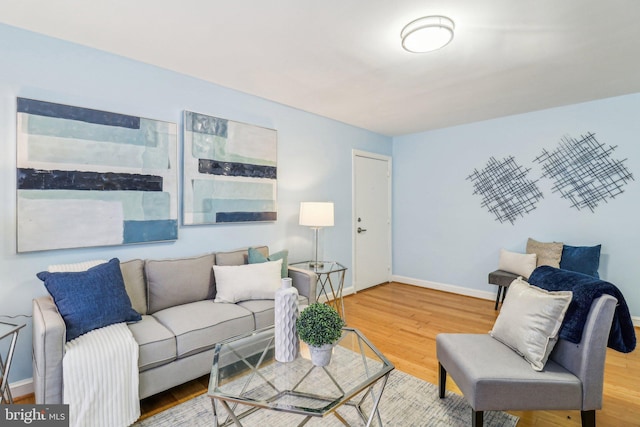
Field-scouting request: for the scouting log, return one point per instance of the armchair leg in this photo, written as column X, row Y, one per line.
column 442, row 379
column 588, row 418
column 477, row 418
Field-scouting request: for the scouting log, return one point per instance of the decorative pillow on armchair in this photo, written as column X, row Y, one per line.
column 530, row 320
column 90, row 299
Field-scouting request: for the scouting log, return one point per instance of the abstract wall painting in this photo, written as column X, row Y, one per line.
column 93, row 178
column 584, row 172
column 505, row 189
column 229, row 171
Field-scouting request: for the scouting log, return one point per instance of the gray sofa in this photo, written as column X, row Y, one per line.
column 180, row 321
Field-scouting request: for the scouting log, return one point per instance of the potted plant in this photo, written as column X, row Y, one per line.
column 320, row 326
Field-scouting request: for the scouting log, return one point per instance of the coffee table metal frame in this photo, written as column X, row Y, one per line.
column 7, row 330
column 261, row 357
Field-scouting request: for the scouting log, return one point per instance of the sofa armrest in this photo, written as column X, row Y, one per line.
column 305, row 282
column 49, row 336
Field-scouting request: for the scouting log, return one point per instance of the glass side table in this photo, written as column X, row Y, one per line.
column 330, row 287
column 7, row 330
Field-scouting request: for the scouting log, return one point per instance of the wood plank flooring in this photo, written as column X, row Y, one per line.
column 403, row 320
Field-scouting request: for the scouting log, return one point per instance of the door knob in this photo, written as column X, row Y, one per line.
column 361, row 230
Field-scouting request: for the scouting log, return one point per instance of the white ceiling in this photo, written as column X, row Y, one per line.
column 342, row 58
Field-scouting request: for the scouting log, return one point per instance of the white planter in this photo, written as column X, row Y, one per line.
column 321, row 356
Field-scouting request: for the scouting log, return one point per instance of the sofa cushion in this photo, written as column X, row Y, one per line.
column 178, row 281
column 263, row 310
column 530, row 320
column 581, row 259
column 520, row 264
column 245, row 282
column 90, row 299
column 548, row 253
column 200, row 325
column 157, row 343
column 239, row 256
column 134, row 283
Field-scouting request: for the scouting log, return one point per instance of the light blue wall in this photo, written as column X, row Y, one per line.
column 442, row 235
column 314, row 159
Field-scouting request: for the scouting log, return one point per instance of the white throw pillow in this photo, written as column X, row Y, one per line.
column 530, row 320
column 248, row 281
column 520, row 264
column 75, row 268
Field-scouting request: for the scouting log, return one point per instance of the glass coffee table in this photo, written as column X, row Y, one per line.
column 246, row 378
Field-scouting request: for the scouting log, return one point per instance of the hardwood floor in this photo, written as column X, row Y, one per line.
column 403, row 320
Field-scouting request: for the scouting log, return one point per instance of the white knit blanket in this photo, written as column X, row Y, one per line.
column 100, row 374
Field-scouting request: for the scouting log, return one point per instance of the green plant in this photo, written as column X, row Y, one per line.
column 319, row 324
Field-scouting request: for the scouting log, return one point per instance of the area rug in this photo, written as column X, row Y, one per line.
column 406, row 401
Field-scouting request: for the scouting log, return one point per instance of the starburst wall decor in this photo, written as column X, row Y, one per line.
column 505, row 189
column 584, row 172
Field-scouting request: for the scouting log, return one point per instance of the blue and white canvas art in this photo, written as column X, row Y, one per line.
column 229, row 171
column 93, row 178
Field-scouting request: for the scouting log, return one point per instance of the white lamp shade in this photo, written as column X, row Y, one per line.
column 316, row 214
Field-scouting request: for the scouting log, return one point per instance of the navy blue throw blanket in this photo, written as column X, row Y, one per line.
column 585, row 289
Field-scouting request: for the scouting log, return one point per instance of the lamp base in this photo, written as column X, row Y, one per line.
column 316, row 264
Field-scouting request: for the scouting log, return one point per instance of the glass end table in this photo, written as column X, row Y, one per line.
column 330, row 288
column 245, row 378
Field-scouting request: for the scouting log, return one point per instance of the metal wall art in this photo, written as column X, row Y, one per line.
column 584, row 172
column 505, row 189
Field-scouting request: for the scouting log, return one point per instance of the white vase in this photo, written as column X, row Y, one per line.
column 286, row 314
column 321, row 356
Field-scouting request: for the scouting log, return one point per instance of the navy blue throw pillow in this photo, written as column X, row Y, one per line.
column 581, row 259
column 91, row 299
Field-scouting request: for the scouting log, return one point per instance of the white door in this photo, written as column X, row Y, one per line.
column 372, row 219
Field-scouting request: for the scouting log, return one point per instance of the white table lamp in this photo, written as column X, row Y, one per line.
column 316, row 215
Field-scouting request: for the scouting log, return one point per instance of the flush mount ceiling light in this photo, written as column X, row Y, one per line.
column 427, row 34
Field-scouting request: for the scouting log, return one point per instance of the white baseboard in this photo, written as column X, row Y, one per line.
column 21, row 388
column 348, row 291
column 345, row 291
column 636, row 321
column 461, row 290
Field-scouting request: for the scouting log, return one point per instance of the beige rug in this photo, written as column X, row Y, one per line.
column 406, row 401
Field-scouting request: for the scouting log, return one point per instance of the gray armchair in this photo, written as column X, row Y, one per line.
column 491, row 376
